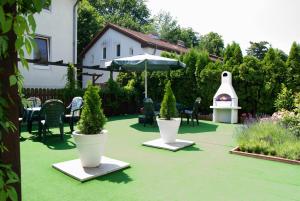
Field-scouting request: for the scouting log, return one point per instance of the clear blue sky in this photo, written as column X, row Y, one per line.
column 276, row 21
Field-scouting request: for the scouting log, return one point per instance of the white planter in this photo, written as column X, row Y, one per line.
column 168, row 129
column 90, row 147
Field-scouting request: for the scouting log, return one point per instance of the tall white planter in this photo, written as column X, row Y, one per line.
column 168, row 129
column 90, row 147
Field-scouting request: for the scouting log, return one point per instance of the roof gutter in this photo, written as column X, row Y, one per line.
column 75, row 31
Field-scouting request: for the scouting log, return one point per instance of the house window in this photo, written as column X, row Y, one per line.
column 104, row 53
column 41, row 52
column 131, row 51
column 118, row 50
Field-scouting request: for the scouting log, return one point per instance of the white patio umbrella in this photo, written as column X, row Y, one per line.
column 144, row 62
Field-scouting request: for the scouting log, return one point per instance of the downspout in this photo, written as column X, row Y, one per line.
column 74, row 31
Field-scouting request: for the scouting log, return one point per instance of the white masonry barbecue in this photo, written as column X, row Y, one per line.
column 225, row 103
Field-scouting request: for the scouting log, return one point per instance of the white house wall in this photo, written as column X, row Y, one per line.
column 110, row 39
column 150, row 50
column 57, row 24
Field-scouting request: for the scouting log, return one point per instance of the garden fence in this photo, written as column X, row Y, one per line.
column 110, row 106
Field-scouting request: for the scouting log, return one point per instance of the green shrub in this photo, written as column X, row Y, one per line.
column 71, row 90
column 285, row 99
column 168, row 108
column 113, row 95
column 124, row 77
column 119, row 100
column 297, row 103
column 291, row 121
column 92, row 118
column 130, row 90
column 71, row 79
column 269, row 138
column 290, row 150
column 256, row 82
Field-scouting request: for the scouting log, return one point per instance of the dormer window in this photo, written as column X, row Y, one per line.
column 118, row 50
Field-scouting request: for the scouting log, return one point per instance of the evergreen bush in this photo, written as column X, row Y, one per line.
column 92, row 118
column 257, row 82
column 285, row 99
column 71, row 89
column 168, row 108
column 71, row 79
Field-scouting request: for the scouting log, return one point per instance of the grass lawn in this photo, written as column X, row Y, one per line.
column 205, row 171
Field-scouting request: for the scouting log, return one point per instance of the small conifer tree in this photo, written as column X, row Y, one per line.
column 285, row 99
column 168, row 108
column 71, row 79
column 92, row 118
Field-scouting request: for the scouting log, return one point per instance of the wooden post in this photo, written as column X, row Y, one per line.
column 11, row 139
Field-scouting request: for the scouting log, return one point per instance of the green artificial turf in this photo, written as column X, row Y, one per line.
column 205, row 171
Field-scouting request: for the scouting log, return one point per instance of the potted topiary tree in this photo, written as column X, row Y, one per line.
column 168, row 122
column 91, row 137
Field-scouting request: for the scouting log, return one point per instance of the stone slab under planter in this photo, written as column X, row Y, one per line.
column 237, row 151
column 74, row 169
column 179, row 144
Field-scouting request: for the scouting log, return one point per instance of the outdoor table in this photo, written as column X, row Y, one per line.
column 31, row 113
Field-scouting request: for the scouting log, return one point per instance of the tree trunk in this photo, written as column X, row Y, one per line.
column 11, row 139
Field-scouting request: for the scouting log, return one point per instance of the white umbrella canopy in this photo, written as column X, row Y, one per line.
column 144, row 62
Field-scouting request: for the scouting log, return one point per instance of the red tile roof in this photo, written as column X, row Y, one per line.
column 144, row 39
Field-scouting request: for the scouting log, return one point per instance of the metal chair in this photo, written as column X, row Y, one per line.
column 32, row 115
column 148, row 112
column 192, row 114
column 75, row 111
column 51, row 115
column 34, row 102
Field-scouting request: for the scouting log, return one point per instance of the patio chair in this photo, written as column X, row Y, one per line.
column 32, row 115
column 148, row 112
column 34, row 102
column 51, row 115
column 75, row 111
column 191, row 114
column 157, row 109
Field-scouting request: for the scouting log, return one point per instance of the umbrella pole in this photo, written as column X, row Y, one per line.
column 146, row 92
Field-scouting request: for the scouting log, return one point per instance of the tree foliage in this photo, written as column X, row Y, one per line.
column 256, row 82
column 89, row 23
column 274, row 74
column 285, row 99
column 133, row 12
column 168, row 29
column 233, row 54
column 213, row 43
column 209, row 82
column 293, row 68
column 71, row 90
column 94, row 14
column 258, row 49
column 248, row 81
